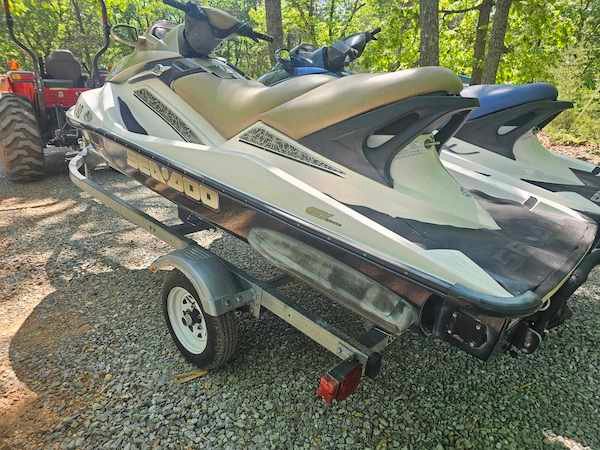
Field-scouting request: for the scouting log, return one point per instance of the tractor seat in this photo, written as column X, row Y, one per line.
column 302, row 105
column 496, row 97
column 62, row 66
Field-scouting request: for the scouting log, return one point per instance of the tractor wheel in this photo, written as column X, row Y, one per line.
column 21, row 150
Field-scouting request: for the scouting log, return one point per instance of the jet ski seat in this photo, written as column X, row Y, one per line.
column 496, row 97
column 302, row 105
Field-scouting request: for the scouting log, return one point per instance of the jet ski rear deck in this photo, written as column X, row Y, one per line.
column 499, row 139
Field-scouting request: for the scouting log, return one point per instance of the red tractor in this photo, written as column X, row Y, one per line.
column 33, row 105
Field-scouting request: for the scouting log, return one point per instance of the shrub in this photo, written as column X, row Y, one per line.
column 580, row 125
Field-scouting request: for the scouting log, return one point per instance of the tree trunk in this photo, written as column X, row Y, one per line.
column 429, row 51
column 496, row 41
column 330, row 21
column 86, row 54
column 483, row 23
column 274, row 25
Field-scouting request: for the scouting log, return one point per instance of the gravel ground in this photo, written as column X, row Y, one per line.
column 588, row 152
column 86, row 360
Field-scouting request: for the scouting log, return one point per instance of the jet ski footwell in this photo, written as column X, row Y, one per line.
column 480, row 326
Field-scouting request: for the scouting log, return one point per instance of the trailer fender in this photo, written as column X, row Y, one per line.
column 219, row 289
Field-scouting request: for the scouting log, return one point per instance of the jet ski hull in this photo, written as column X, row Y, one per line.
column 296, row 197
column 456, row 310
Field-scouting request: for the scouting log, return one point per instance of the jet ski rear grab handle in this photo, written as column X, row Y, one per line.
column 360, row 356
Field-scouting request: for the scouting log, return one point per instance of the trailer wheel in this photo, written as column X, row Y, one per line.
column 21, row 150
column 206, row 341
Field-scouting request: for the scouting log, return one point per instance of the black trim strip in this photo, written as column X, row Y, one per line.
column 129, row 119
column 589, row 178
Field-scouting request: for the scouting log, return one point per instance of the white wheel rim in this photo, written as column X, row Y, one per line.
column 187, row 320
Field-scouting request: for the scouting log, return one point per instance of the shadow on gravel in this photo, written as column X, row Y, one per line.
column 97, row 354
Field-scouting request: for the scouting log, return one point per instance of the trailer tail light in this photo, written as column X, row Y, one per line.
column 340, row 382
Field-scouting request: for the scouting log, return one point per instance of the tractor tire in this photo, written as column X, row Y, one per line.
column 21, row 149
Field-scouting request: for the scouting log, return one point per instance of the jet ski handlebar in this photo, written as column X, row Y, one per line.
column 195, row 11
column 359, row 41
column 350, row 47
column 261, row 36
column 246, row 30
column 332, row 58
column 190, row 8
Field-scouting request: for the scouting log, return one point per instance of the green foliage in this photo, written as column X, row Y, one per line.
column 580, row 125
column 538, row 41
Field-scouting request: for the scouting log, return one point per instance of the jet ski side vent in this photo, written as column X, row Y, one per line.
column 165, row 113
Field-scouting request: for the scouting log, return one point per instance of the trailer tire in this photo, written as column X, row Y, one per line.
column 206, row 341
column 21, row 149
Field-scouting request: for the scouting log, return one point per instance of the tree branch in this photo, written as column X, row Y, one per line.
column 445, row 12
column 355, row 8
column 305, row 19
column 330, row 24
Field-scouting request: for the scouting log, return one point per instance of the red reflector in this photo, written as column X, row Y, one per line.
column 328, row 387
column 349, row 383
column 339, row 384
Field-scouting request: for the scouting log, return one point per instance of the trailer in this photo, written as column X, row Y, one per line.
column 202, row 292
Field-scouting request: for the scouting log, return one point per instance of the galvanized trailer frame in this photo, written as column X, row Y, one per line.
column 225, row 287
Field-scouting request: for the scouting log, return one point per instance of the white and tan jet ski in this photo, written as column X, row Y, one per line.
column 383, row 229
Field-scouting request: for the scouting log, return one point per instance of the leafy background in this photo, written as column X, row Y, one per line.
column 556, row 41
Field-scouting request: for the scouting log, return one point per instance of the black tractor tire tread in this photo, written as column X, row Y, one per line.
column 21, row 150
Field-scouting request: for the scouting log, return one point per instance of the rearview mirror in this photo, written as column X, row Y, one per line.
column 124, row 34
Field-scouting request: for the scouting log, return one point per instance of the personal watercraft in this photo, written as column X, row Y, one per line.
column 384, row 230
column 499, row 140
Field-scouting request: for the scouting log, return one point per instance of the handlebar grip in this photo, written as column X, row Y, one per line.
column 373, row 33
column 175, row 4
column 190, row 8
column 264, row 37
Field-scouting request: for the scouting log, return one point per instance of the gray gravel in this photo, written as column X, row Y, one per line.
column 86, row 360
